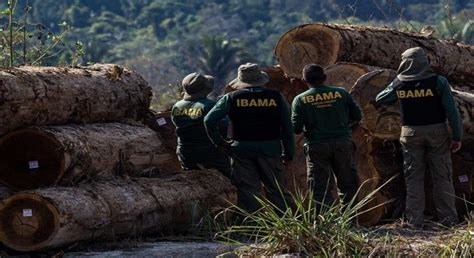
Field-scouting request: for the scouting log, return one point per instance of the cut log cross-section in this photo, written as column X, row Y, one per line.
column 43, row 156
column 346, row 74
column 52, row 95
column 326, row 44
column 51, row 217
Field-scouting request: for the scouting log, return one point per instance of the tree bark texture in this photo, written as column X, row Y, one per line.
column 52, row 217
column 53, row 95
column 48, row 155
column 326, row 44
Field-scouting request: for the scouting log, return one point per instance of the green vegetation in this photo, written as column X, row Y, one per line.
column 166, row 39
column 332, row 232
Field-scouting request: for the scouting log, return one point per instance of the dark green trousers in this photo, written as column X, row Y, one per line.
column 326, row 160
column 248, row 174
column 428, row 147
column 204, row 157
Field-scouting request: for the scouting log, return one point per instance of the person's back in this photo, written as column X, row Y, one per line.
column 188, row 116
column 262, row 137
column 426, row 102
column 194, row 149
column 324, row 114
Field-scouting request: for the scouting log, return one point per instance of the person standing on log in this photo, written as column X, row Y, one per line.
column 263, row 137
column 324, row 114
column 426, row 101
column 195, row 150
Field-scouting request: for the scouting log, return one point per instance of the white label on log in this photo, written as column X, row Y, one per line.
column 33, row 164
column 463, row 179
column 27, row 213
column 161, row 121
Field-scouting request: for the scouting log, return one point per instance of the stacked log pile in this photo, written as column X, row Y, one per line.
column 78, row 136
column 363, row 60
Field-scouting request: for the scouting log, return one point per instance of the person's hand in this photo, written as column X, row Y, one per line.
column 285, row 161
column 455, row 146
column 225, row 147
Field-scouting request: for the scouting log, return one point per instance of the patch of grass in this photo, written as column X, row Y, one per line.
column 303, row 230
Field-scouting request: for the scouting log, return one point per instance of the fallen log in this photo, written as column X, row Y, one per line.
column 48, row 155
column 52, row 217
column 326, row 44
column 345, row 74
column 53, row 95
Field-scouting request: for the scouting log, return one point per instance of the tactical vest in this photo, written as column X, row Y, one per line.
column 420, row 101
column 256, row 116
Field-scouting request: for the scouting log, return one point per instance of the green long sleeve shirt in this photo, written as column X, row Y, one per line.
column 324, row 114
column 188, row 116
column 389, row 95
column 272, row 148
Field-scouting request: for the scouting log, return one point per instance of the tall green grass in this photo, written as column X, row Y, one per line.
column 305, row 230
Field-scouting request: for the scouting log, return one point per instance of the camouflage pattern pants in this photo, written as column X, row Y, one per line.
column 428, row 147
column 326, row 160
column 204, row 157
column 248, row 174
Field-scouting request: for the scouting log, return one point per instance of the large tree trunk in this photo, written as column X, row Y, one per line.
column 43, row 156
column 52, row 95
column 52, row 217
column 327, row 44
column 344, row 74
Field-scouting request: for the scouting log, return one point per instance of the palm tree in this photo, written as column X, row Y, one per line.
column 220, row 57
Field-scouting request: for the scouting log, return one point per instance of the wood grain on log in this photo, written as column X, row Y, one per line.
column 52, row 95
column 47, row 155
column 326, row 44
column 52, row 217
column 345, row 75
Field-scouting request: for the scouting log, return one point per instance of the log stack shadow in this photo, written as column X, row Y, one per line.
column 78, row 162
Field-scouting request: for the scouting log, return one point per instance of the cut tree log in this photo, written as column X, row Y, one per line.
column 47, row 155
column 52, row 217
column 53, row 95
column 326, row 44
column 345, row 74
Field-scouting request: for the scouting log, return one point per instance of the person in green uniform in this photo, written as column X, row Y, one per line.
column 195, row 150
column 263, row 138
column 426, row 101
column 324, row 114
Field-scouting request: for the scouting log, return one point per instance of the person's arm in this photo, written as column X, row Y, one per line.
column 450, row 108
column 214, row 117
column 355, row 114
column 288, row 138
column 296, row 118
column 387, row 96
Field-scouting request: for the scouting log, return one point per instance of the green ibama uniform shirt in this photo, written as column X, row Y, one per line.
column 324, row 114
column 188, row 117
